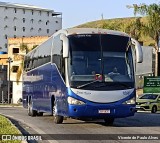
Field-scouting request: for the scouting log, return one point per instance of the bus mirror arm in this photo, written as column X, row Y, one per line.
column 65, row 41
column 138, row 48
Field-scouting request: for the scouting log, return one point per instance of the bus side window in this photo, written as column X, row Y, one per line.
column 56, row 50
column 56, row 60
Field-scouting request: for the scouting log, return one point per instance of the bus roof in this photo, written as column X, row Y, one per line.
column 71, row 31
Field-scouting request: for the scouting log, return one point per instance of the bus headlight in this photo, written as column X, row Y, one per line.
column 130, row 101
column 74, row 101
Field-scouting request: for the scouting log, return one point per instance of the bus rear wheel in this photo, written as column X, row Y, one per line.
column 109, row 121
column 31, row 112
column 57, row 118
column 39, row 113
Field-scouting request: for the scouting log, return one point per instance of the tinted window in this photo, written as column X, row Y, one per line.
column 87, row 42
column 57, row 51
column 39, row 56
column 149, row 96
column 44, row 52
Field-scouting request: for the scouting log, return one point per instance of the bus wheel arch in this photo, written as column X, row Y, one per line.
column 58, row 119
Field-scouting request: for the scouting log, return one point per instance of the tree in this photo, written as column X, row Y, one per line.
column 111, row 26
column 152, row 26
column 134, row 28
column 24, row 47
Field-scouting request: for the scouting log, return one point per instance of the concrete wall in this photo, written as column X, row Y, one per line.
column 17, row 92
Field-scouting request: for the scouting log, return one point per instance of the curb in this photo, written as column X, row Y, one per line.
column 14, row 126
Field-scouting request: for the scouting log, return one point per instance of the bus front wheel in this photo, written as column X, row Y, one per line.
column 57, row 118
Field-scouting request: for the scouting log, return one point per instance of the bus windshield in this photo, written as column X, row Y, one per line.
column 101, row 57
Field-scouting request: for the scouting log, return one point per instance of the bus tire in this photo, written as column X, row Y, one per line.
column 31, row 112
column 57, row 118
column 39, row 113
column 109, row 121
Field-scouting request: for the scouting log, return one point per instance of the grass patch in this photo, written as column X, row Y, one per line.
column 6, row 127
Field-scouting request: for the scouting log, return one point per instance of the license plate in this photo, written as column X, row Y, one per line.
column 104, row 111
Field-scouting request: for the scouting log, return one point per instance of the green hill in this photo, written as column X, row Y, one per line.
column 120, row 24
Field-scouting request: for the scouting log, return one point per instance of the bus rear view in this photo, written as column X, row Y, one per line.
column 94, row 75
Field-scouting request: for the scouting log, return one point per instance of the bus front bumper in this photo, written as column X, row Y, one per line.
column 101, row 111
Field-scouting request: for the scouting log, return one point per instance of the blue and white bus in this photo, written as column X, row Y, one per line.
column 82, row 73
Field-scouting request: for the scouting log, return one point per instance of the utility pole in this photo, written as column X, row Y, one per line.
column 9, row 65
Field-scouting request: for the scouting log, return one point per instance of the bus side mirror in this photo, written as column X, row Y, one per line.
column 138, row 48
column 65, row 41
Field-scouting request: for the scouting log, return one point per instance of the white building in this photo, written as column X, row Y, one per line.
column 24, row 21
column 17, row 20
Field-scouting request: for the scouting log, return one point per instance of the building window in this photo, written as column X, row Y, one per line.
column 15, row 69
column 31, row 29
column 6, row 45
column 6, row 17
column 5, row 27
column 39, row 21
column 15, row 28
column 32, row 12
column 23, row 11
column 47, row 31
column 5, row 36
column 24, row 20
column 24, row 29
column 32, row 20
column 15, row 18
column 15, row 50
column 56, row 21
column 39, row 30
column 47, row 22
column 15, row 10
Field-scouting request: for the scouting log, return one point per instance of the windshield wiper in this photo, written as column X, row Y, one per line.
column 86, row 84
column 123, row 84
column 112, row 84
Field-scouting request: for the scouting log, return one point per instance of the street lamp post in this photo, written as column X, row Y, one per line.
column 9, row 64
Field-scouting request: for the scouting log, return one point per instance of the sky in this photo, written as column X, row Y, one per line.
column 76, row 12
